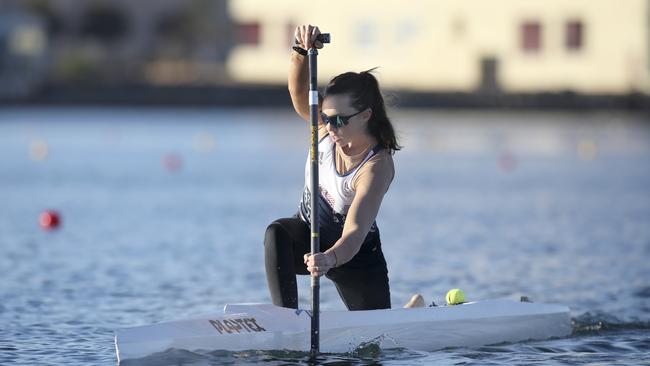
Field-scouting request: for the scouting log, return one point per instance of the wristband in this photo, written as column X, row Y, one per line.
column 296, row 47
column 300, row 50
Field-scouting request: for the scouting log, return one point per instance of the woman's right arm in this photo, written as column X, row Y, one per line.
column 299, row 84
column 305, row 36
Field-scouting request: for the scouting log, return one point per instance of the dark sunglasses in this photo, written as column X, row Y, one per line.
column 337, row 121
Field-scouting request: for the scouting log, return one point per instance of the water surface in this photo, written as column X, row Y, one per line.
column 163, row 214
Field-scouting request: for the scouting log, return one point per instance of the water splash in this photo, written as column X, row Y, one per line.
column 596, row 322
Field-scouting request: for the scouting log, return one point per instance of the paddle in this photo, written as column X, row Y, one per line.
column 315, row 228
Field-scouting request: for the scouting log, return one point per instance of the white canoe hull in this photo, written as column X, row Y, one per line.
column 267, row 327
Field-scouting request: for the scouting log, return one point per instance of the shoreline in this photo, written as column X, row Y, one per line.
column 278, row 96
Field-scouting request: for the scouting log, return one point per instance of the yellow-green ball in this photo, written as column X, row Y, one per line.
column 455, row 297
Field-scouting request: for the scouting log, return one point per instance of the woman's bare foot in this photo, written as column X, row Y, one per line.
column 417, row 301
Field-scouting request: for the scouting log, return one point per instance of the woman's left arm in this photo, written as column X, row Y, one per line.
column 370, row 192
column 372, row 184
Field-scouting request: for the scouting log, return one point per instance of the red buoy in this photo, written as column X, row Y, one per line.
column 49, row 220
column 507, row 162
column 173, row 162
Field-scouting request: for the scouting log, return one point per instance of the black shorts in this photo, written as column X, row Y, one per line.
column 362, row 282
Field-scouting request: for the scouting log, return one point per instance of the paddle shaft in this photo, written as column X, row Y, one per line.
column 315, row 228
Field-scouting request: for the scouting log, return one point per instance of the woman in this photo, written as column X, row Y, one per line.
column 356, row 144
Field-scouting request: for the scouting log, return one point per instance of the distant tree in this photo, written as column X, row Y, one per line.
column 43, row 9
column 176, row 26
column 104, row 22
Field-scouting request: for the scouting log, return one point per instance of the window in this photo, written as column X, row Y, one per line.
column 406, row 31
column 531, row 36
column 574, row 31
column 248, row 33
column 365, row 35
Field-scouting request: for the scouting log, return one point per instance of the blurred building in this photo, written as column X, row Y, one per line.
column 162, row 42
column 518, row 46
column 447, row 46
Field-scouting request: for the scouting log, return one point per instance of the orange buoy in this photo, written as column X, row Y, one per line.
column 49, row 220
column 38, row 150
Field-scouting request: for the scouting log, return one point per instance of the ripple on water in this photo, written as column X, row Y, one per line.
column 643, row 292
column 360, row 356
column 642, row 345
column 593, row 323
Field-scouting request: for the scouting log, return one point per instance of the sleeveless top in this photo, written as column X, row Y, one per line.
column 336, row 193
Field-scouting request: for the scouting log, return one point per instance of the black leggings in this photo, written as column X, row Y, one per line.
column 362, row 284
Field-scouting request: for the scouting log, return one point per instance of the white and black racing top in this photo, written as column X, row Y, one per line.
column 336, row 191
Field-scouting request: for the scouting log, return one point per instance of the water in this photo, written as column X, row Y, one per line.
column 163, row 213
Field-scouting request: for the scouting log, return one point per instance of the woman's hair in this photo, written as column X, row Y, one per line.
column 364, row 91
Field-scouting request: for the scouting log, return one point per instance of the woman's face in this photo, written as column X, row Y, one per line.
column 356, row 129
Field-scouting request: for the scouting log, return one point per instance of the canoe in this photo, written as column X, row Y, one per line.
column 267, row 327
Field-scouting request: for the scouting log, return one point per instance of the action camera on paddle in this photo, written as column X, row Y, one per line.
column 323, row 38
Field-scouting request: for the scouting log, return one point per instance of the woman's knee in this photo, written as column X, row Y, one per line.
column 273, row 231
column 277, row 235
